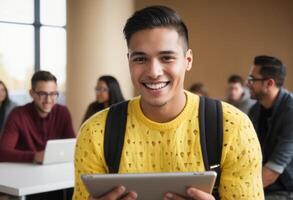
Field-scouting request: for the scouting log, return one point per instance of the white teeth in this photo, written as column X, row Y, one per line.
column 155, row 86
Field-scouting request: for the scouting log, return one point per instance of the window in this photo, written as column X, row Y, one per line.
column 32, row 37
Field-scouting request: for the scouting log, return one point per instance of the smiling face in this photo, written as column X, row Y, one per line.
column 44, row 96
column 158, row 63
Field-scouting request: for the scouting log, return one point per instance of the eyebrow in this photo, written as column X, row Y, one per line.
column 138, row 53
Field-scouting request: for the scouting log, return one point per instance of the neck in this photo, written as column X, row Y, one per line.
column 41, row 113
column 269, row 100
column 166, row 112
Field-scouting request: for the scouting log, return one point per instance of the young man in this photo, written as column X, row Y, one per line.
column 162, row 130
column 238, row 95
column 272, row 118
column 29, row 127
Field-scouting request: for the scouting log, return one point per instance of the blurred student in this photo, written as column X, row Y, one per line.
column 108, row 92
column 272, row 117
column 199, row 89
column 238, row 95
column 6, row 105
column 29, row 127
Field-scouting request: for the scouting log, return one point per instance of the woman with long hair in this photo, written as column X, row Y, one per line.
column 6, row 105
column 108, row 92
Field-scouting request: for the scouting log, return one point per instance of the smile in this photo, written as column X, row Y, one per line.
column 156, row 86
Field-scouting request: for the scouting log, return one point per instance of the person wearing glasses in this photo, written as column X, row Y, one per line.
column 237, row 94
column 29, row 127
column 108, row 92
column 272, row 117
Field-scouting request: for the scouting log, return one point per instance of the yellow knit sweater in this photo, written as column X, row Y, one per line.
column 174, row 147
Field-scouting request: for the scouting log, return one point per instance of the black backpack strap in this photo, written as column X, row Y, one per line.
column 114, row 135
column 211, row 136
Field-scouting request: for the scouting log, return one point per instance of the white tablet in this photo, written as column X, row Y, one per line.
column 150, row 185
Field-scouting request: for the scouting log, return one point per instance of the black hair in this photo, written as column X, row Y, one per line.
column 271, row 67
column 154, row 17
column 42, row 76
column 236, row 79
column 115, row 94
column 6, row 99
column 199, row 88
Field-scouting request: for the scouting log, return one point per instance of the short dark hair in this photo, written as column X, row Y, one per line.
column 236, row 79
column 115, row 94
column 154, row 17
column 271, row 67
column 199, row 88
column 42, row 76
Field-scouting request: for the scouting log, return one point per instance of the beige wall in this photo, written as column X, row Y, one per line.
column 226, row 35
column 95, row 47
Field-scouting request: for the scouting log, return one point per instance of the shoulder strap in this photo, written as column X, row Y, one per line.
column 211, row 134
column 114, row 135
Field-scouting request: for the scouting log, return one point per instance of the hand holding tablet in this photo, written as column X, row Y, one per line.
column 150, row 185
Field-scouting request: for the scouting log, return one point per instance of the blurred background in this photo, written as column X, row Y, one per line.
column 80, row 40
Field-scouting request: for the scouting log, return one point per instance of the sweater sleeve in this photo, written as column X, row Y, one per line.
column 8, row 142
column 283, row 151
column 89, row 153
column 241, row 158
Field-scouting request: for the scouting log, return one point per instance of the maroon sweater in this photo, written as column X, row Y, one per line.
column 26, row 132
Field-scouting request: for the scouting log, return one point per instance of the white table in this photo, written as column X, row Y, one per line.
column 19, row 179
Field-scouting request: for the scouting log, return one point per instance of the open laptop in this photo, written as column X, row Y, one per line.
column 59, row 151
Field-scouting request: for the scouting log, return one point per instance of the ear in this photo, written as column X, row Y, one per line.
column 31, row 92
column 271, row 82
column 189, row 59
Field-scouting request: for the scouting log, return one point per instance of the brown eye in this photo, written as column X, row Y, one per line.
column 167, row 58
column 139, row 59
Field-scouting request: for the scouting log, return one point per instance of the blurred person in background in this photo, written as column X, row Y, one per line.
column 238, row 95
column 6, row 105
column 272, row 117
column 29, row 127
column 199, row 89
column 108, row 92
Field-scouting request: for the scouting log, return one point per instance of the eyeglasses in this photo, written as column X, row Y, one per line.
column 99, row 90
column 45, row 95
column 251, row 79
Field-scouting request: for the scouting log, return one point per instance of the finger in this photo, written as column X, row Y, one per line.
column 172, row 196
column 114, row 194
column 198, row 194
column 131, row 196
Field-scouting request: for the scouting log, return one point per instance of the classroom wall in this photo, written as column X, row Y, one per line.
column 224, row 36
column 95, row 47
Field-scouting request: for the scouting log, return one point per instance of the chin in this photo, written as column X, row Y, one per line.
column 46, row 110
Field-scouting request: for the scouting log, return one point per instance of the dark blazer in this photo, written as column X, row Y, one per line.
column 278, row 153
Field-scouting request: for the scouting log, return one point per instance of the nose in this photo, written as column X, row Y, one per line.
column 155, row 69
